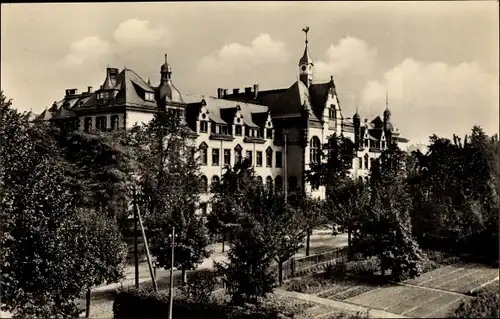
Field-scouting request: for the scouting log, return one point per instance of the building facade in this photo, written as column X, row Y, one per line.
column 281, row 131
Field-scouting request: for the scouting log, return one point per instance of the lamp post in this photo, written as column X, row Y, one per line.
column 171, row 294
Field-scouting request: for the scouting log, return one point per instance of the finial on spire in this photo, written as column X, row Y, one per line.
column 149, row 81
column 386, row 100
column 305, row 30
column 166, row 59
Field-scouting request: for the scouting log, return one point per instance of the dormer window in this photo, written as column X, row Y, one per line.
column 203, row 126
column 238, row 130
column 333, row 112
column 148, row 96
column 269, row 133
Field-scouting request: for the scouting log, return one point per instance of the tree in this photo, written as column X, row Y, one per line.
column 385, row 228
column 312, row 214
column 169, row 182
column 332, row 172
column 51, row 250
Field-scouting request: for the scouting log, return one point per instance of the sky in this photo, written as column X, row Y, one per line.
column 437, row 61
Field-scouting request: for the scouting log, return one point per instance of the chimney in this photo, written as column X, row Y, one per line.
column 90, row 90
column 70, row 92
column 236, row 91
column 220, row 93
column 248, row 90
column 256, row 90
column 224, row 92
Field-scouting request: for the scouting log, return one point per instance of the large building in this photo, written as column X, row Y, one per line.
column 281, row 131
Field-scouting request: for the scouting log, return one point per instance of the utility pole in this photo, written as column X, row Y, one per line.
column 171, row 296
column 150, row 264
column 136, row 244
column 286, row 166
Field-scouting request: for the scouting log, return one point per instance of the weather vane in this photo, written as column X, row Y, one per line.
column 305, row 30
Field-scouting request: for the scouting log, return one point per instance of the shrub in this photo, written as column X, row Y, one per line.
column 366, row 267
column 485, row 305
column 200, row 286
column 336, row 271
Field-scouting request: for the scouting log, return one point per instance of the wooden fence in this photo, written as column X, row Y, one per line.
column 297, row 266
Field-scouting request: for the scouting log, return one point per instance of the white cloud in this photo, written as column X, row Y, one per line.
column 235, row 56
column 135, row 32
column 350, row 56
column 436, row 97
column 85, row 50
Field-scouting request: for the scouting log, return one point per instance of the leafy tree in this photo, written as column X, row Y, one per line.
column 332, row 172
column 248, row 272
column 169, row 182
column 51, row 250
column 385, row 228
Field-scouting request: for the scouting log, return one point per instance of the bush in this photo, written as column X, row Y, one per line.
column 366, row 267
column 485, row 305
column 134, row 303
column 336, row 271
column 200, row 286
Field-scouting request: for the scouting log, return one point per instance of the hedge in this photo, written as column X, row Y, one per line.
column 485, row 305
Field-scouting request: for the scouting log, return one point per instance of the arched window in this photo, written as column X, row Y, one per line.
column 204, row 184
column 269, row 183
column 215, row 180
column 260, row 180
column 278, row 182
column 367, row 161
column 315, row 155
column 269, row 157
column 237, row 154
column 203, row 153
column 292, row 183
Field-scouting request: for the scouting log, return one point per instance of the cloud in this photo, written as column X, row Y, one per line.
column 235, row 56
column 85, row 50
column 436, row 97
column 135, row 32
column 350, row 56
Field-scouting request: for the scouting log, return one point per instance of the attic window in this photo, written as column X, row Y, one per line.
column 238, row 130
column 333, row 112
column 149, row 96
column 269, row 133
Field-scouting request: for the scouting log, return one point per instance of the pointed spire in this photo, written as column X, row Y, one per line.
column 386, row 100
column 149, row 81
column 306, row 59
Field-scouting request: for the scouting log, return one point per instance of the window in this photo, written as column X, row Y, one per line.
column 269, row 183
column 204, row 184
column 269, row 157
column 333, row 112
column 278, row 183
column 100, row 123
column 259, row 158
column 223, row 129
column 215, row 157
column 215, row 181
column 203, row 154
column 149, row 96
column 238, row 130
column 382, row 144
column 315, row 155
column 88, row 124
column 269, row 133
column 203, row 126
column 227, row 157
column 249, row 156
column 237, row 154
column 114, row 122
column 366, row 161
column 366, row 142
column 279, row 159
column 360, row 163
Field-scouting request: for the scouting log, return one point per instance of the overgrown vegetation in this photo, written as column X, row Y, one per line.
column 486, row 304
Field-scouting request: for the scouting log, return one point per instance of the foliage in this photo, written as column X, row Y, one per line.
column 169, row 189
column 485, row 305
column 52, row 251
column 248, row 272
column 455, row 194
column 132, row 303
column 386, row 230
column 201, row 285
